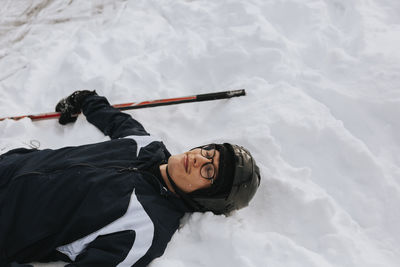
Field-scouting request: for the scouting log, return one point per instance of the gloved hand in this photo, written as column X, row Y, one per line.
column 72, row 105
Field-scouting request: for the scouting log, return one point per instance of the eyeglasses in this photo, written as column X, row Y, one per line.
column 208, row 171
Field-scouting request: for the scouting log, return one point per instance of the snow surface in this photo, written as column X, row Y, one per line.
column 320, row 115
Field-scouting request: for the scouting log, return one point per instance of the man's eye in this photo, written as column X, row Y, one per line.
column 209, row 153
column 210, row 170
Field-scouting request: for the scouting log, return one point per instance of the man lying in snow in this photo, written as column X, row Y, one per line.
column 114, row 203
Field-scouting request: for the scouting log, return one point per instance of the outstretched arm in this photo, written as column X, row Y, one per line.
column 100, row 113
column 109, row 120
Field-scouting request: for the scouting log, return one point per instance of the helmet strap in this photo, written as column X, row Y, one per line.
column 188, row 200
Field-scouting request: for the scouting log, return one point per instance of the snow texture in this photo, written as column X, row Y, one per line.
column 320, row 116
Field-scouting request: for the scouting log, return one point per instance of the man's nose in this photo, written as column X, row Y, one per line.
column 199, row 160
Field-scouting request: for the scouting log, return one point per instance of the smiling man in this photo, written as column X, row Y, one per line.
column 114, row 203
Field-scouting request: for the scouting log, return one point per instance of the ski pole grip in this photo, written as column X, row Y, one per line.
column 221, row 95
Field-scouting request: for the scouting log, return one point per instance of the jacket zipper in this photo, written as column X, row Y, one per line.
column 119, row 169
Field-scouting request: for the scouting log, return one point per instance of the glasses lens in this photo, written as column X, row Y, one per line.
column 208, row 151
column 207, row 171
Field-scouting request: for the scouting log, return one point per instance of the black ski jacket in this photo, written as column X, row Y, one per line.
column 90, row 205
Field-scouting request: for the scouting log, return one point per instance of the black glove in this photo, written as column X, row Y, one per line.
column 72, row 105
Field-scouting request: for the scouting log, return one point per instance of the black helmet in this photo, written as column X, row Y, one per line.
column 245, row 180
column 242, row 182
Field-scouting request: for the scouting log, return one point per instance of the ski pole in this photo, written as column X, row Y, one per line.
column 146, row 104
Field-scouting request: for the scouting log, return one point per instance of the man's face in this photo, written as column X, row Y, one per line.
column 186, row 169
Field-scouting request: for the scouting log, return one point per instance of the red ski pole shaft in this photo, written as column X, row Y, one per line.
column 147, row 104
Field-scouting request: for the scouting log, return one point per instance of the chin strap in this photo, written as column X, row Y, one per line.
column 188, row 201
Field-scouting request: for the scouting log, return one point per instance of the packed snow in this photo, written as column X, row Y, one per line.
column 321, row 113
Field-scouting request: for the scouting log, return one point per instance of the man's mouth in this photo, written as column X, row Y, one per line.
column 185, row 163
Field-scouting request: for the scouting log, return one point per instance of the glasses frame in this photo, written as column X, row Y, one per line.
column 205, row 152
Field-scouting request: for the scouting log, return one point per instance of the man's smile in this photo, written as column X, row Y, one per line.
column 185, row 162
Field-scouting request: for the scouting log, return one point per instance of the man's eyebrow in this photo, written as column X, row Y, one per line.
column 217, row 165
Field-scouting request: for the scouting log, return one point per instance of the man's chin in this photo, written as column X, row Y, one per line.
column 173, row 165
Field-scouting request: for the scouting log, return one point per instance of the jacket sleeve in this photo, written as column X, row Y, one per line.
column 110, row 120
column 106, row 250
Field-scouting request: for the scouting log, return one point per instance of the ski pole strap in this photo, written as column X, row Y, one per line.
column 147, row 104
